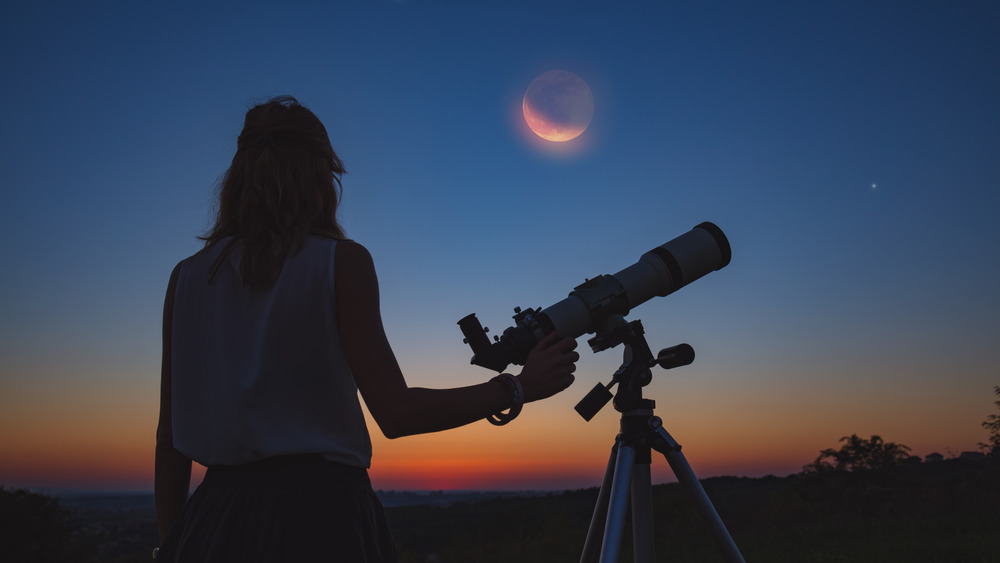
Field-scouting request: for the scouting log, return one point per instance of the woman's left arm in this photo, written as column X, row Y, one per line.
column 172, row 476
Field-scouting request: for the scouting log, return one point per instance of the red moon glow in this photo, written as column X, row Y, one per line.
column 558, row 106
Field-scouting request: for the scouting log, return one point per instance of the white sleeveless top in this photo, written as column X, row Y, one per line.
column 261, row 372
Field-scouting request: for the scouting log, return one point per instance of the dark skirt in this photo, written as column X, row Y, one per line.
column 283, row 509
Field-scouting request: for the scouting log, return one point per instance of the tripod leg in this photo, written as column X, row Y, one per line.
column 617, row 504
column 685, row 475
column 592, row 547
column 642, row 509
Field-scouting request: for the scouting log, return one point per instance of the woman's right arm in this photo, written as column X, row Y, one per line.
column 172, row 473
column 400, row 410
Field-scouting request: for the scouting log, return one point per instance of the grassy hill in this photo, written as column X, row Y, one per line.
column 935, row 512
column 947, row 511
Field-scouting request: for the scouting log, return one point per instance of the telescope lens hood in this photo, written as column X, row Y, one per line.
column 721, row 240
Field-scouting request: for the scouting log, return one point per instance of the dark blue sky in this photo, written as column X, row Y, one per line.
column 850, row 151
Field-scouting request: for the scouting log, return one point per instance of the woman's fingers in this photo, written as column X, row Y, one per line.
column 549, row 367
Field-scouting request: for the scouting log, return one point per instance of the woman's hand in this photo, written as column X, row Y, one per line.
column 549, row 368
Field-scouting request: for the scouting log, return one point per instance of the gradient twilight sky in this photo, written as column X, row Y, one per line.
column 849, row 150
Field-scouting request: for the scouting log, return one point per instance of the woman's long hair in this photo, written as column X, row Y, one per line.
column 282, row 186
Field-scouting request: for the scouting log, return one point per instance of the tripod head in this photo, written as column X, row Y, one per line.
column 635, row 371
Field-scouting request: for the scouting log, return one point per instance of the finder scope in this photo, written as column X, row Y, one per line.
column 659, row 272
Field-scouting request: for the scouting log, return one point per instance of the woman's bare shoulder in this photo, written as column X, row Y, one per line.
column 354, row 268
column 352, row 254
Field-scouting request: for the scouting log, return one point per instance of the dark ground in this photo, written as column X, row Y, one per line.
column 935, row 512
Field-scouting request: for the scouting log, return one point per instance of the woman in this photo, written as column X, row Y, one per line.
column 269, row 333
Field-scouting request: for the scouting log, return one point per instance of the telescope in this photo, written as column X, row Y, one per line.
column 659, row 272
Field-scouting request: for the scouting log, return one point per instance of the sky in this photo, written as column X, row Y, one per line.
column 849, row 150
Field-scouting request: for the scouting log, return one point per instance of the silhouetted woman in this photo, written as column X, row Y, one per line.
column 269, row 333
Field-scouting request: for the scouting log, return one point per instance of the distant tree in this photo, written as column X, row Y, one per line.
column 859, row 455
column 35, row 528
column 992, row 425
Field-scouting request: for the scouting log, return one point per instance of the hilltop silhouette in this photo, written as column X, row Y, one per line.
column 916, row 510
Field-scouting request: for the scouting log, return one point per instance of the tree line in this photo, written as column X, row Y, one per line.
column 874, row 454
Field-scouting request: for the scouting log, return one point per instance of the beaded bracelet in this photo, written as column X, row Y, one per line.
column 516, row 393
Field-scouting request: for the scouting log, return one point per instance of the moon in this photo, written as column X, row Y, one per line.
column 558, row 106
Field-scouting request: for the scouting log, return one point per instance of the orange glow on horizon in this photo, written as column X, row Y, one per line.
column 88, row 441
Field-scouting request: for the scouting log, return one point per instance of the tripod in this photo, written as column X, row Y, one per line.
column 631, row 457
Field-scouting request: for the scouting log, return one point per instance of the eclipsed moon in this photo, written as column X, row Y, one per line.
column 558, row 106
